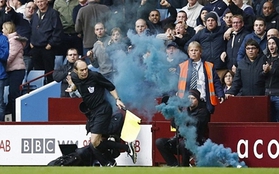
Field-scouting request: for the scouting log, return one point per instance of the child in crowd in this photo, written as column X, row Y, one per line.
column 227, row 80
column 15, row 65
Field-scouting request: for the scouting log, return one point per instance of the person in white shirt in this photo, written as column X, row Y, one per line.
column 192, row 9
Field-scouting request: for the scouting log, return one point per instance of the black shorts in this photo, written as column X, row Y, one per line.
column 100, row 119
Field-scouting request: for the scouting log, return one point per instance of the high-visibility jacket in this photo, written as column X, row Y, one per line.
column 183, row 80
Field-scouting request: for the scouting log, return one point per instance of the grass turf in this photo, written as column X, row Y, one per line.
column 134, row 170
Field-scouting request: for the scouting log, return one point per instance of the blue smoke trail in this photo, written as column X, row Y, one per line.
column 142, row 76
column 207, row 155
column 181, row 119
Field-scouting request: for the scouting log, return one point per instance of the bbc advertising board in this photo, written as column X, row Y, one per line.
column 39, row 144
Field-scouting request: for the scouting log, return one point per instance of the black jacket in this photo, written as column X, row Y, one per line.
column 249, row 77
column 213, row 45
column 272, row 21
column 202, row 117
column 47, row 30
column 272, row 77
column 60, row 74
column 159, row 27
column 92, row 88
column 232, row 51
column 200, row 120
column 190, row 32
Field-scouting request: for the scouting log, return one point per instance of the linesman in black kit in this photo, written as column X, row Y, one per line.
column 92, row 85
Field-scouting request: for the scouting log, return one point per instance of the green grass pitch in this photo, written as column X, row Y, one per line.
column 133, row 170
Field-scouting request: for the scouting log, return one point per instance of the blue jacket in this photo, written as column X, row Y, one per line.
column 47, row 30
column 4, row 53
column 262, row 42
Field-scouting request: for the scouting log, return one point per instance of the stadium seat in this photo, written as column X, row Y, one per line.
column 35, row 84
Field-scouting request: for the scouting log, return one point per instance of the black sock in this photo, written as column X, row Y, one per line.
column 115, row 145
column 98, row 155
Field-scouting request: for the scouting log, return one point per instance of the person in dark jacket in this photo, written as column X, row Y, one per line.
column 183, row 33
column 155, row 24
column 212, row 42
column 270, row 15
column 238, row 32
column 219, row 6
column 168, row 146
column 62, row 74
column 93, row 86
column 46, row 33
column 7, row 13
column 200, row 22
column 238, row 7
column 23, row 28
column 271, row 74
column 249, row 78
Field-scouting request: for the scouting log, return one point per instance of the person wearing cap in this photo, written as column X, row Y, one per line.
column 212, row 42
column 168, row 146
column 172, row 48
column 174, row 56
column 207, row 81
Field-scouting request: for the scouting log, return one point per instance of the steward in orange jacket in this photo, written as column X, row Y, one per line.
column 209, row 83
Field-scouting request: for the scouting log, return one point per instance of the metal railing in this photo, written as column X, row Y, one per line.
column 28, row 89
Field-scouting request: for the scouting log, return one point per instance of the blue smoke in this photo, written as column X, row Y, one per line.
column 207, row 155
column 181, row 119
column 142, row 75
column 213, row 155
